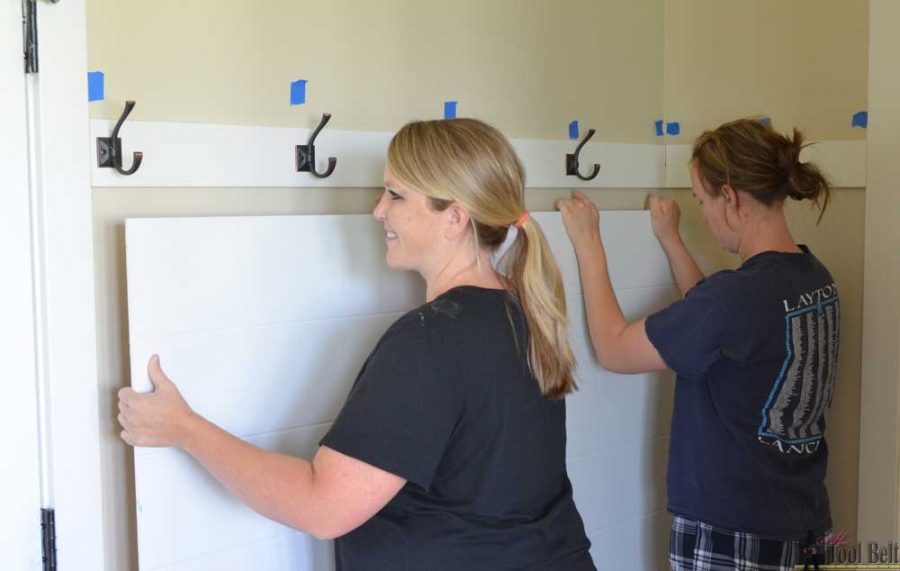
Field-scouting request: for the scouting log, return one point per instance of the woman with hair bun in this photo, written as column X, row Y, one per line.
column 755, row 352
column 449, row 453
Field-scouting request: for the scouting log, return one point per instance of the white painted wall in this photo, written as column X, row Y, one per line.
column 263, row 323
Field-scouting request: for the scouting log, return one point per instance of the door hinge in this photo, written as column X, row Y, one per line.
column 29, row 35
column 48, row 538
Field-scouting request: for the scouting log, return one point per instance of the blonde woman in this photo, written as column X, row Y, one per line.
column 755, row 351
column 449, row 452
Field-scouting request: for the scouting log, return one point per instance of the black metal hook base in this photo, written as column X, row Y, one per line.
column 109, row 149
column 572, row 160
column 306, row 154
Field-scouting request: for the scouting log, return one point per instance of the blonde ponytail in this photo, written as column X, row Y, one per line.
column 533, row 274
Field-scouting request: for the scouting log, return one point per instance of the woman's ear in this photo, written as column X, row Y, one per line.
column 731, row 197
column 458, row 220
column 734, row 206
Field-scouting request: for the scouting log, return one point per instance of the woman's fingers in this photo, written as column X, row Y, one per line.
column 580, row 218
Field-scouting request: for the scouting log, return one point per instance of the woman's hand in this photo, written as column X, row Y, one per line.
column 158, row 418
column 664, row 215
column 581, row 219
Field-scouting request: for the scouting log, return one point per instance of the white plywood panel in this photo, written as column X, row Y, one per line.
column 263, row 323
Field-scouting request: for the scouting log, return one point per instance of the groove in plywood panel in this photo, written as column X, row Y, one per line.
column 292, row 550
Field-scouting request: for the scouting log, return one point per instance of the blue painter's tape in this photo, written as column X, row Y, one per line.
column 298, row 92
column 767, row 121
column 861, row 119
column 659, row 128
column 449, row 109
column 673, row 128
column 95, row 86
column 573, row 130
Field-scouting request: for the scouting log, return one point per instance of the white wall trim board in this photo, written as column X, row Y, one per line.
column 67, row 344
column 206, row 155
column 20, row 474
column 844, row 162
column 879, row 427
column 239, row 156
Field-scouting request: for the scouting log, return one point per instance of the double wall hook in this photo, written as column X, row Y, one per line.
column 572, row 160
column 109, row 149
column 306, row 154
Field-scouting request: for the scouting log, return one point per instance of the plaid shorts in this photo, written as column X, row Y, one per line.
column 696, row 546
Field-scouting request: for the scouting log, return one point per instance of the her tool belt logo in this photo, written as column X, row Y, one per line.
column 793, row 419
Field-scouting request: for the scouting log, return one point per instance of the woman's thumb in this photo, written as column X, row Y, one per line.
column 154, row 369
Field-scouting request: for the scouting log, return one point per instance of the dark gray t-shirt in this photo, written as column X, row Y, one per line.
column 446, row 401
column 755, row 351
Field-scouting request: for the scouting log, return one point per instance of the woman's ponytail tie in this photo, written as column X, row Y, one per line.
column 522, row 219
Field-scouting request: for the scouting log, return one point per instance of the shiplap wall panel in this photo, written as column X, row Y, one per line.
column 263, row 323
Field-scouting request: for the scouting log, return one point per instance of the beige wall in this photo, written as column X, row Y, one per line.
column 800, row 62
column 879, row 504
column 526, row 65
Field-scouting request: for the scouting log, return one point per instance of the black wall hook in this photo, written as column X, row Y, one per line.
column 572, row 160
column 306, row 154
column 109, row 149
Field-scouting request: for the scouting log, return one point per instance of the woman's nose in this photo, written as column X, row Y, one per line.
column 380, row 209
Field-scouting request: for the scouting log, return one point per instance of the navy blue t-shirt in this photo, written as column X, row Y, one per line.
column 447, row 401
column 755, row 350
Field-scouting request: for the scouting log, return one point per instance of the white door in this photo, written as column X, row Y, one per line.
column 20, row 501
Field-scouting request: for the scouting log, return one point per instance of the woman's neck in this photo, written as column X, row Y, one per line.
column 478, row 273
column 769, row 233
